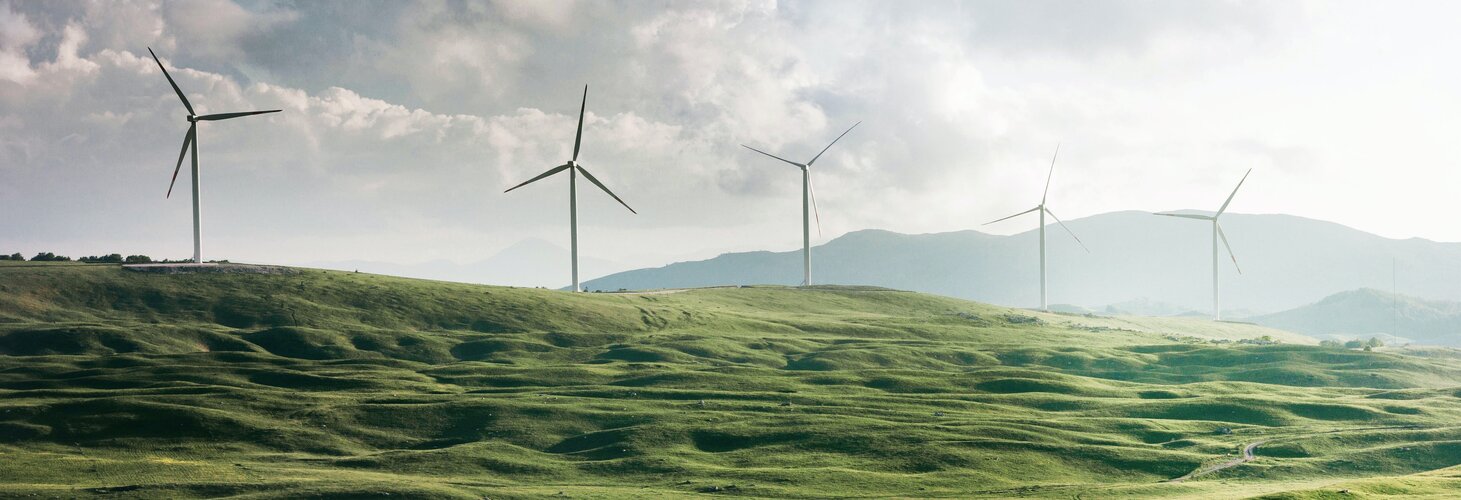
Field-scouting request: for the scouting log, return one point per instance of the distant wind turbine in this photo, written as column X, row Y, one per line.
column 809, row 197
column 191, row 141
column 574, row 169
column 1217, row 233
column 1043, row 209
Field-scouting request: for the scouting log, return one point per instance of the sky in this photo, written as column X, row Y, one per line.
column 403, row 122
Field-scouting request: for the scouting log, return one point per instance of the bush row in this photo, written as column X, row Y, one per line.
column 115, row 258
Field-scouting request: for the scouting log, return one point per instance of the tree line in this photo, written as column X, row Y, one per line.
column 115, row 258
column 1355, row 344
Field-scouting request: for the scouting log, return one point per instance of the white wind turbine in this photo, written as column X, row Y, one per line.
column 1043, row 209
column 1217, row 233
column 191, row 140
column 809, row 198
column 574, row 169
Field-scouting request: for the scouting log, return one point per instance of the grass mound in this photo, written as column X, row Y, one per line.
column 343, row 385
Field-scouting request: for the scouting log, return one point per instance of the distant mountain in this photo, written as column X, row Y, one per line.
column 528, row 263
column 1144, row 307
column 1070, row 309
column 1368, row 312
column 1287, row 262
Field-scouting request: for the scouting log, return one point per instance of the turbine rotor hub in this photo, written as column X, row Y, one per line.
column 192, row 119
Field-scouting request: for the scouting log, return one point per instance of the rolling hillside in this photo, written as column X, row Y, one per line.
column 1368, row 312
column 343, row 385
column 1287, row 262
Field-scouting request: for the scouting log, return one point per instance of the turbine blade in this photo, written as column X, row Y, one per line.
column 550, row 171
column 834, row 141
column 813, row 192
column 795, row 164
column 187, row 141
column 225, row 116
column 578, row 138
column 174, row 84
column 1048, row 176
column 606, row 189
column 1235, row 193
column 1072, row 233
column 1185, row 216
column 1011, row 217
column 1229, row 247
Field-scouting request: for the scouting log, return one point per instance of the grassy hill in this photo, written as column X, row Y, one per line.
column 333, row 384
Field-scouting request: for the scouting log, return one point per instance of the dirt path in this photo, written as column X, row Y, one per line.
column 1247, row 457
column 1250, row 447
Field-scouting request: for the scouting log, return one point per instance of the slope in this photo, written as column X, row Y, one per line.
column 340, row 384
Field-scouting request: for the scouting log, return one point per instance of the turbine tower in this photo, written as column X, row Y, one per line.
column 1217, row 233
column 1043, row 209
column 191, row 141
column 574, row 169
column 809, row 198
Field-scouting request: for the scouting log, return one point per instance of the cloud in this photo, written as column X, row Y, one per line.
column 16, row 35
column 216, row 29
column 1119, row 27
column 403, row 122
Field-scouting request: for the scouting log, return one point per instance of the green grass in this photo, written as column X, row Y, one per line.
column 333, row 384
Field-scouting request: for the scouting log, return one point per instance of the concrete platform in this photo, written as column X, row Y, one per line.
column 208, row 268
column 170, row 265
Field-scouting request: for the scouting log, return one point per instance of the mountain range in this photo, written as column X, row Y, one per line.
column 1368, row 312
column 1135, row 260
column 528, row 263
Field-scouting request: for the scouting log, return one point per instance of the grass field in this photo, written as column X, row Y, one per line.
column 332, row 384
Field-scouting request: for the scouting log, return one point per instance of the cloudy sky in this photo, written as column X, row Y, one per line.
column 403, row 122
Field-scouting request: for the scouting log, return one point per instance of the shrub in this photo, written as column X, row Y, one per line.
column 138, row 259
column 1354, row 344
column 50, row 257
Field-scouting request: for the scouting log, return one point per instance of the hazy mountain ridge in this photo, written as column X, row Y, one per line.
column 1287, row 262
column 527, row 263
column 1369, row 312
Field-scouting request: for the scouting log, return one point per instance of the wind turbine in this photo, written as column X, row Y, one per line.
column 574, row 169
column 1043, row 209
column 1217, row 233
column 191, row 140
column 809, row 197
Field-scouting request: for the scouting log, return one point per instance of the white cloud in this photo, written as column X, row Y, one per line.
column 16, row 35
column 402, row 123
